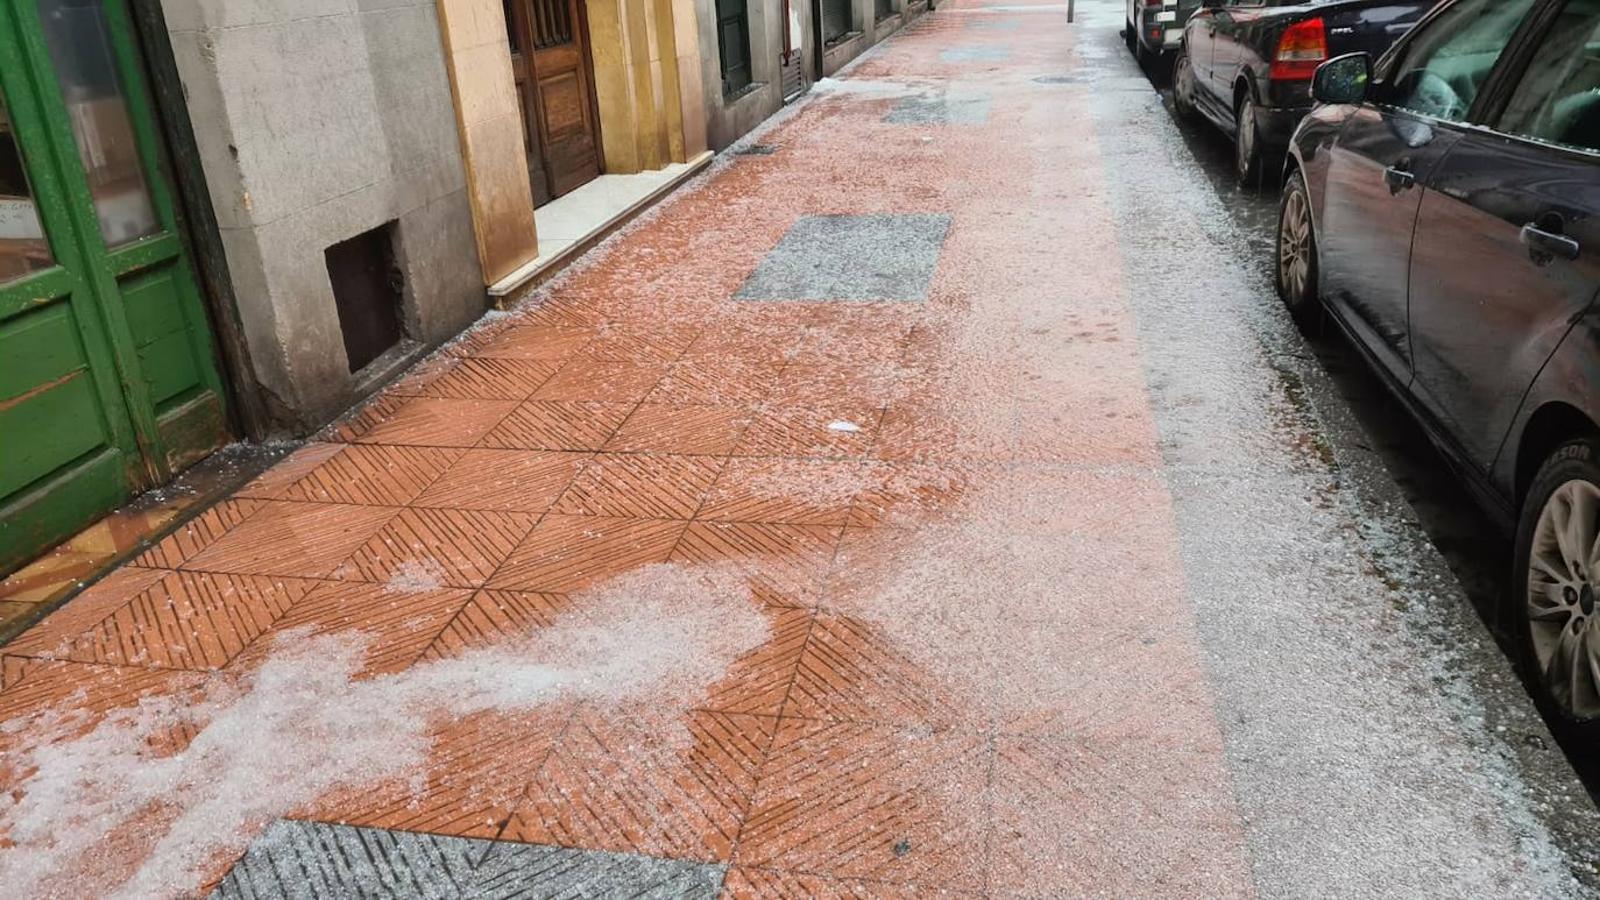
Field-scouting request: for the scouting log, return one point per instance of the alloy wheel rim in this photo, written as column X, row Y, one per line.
column 1181, row 82
column 1562, row 607
column 1294, row 245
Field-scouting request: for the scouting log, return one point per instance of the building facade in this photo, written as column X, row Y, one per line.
column 761, row 54
column 225, row 219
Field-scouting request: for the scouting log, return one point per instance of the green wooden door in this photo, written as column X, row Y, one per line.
column 108, row 383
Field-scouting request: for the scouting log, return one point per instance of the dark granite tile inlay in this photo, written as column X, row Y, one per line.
column 940, row 110
column 296, row 860
column 979, row 23
column 881, row 256
column 975, row 54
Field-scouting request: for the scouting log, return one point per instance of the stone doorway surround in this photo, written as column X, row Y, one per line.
column 643, row 52
column 574, row 222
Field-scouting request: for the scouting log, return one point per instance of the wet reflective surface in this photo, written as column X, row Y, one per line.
column 1477, row 553
column 1036, row 570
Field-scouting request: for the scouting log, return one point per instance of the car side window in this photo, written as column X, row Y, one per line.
column 1558, row 98
column 1442, row 67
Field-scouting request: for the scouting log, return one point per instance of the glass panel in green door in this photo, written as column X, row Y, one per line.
column 67, row 453
column 22, row 245
column 122, row 363
column 79, row 41
column 161, row 337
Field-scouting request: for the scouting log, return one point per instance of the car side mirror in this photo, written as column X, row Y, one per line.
column 1343, row 79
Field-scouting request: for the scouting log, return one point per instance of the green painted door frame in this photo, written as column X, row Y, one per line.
column 108, row 379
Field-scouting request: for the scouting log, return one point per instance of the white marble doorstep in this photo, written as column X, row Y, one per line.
column 574, row 217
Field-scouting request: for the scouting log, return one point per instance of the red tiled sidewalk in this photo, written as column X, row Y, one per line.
column 1050, row 736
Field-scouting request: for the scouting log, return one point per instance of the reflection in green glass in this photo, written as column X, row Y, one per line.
column 23, row 248
column 80, row 48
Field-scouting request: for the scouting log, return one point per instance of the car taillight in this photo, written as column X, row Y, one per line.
column 1153, row 2
column 1303, row 47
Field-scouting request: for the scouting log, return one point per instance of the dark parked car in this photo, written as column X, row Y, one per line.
column 1246, row 64
column 1442, row 206
column 1154, row 29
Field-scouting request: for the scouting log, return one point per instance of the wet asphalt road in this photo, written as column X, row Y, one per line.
column 1477, row 553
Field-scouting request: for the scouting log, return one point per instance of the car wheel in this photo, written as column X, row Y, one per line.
column 1129, row 38
column 1555, row 604
column 1246, row 143
column 1183, row 86
column 1295, row 260
column 1143, row 56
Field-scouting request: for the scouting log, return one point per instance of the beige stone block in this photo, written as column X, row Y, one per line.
column 643, row 58
column 654, row 24
column 671, row 84
column 613, row 84
column 692, row 103
column 473, row 23
column 502, row 199
column 686, row 29
column 485, row 86
column 658, row 136
column 645, row 89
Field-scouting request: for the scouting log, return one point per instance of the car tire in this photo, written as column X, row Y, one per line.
column 1246, row 145
column 1294, row 258
column 1143, row 57
column 1129, row 37
column 1183, row 87
column 1554, row 607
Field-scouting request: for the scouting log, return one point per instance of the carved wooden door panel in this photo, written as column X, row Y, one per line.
column 555, row 85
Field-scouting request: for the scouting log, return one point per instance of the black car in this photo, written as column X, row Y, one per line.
column 1247, row 65
column 1442, row 206
column 1154, row 29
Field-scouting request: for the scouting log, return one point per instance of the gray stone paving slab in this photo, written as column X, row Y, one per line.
column 295, row 860
column 975, row 54
column 970, row 109
column 533, row 870
column 880, row 256
column 1378, row 741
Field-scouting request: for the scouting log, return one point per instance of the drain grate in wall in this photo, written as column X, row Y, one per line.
column 367, row 289
column 757, row 150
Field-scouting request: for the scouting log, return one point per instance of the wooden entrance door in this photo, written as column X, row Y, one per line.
column 108, row 382
column 791, row 77
column 555, row 87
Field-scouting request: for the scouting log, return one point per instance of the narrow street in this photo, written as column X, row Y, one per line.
column 987, row 532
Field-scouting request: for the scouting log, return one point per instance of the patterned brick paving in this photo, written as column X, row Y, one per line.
column 642, row 414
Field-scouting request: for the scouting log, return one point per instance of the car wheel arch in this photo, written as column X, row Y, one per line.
column 1551, row 425
column 1243, row 86
column 1291, row 165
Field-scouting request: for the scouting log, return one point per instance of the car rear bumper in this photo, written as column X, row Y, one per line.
column 1276, row 125
column 1160, row 30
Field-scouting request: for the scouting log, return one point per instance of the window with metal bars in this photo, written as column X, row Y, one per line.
column 837, row 20
column 883, row 9
column 733, row 41
column 552, row 23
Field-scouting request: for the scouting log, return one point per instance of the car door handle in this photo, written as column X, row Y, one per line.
column 1398, row 178
column 1545, row 245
